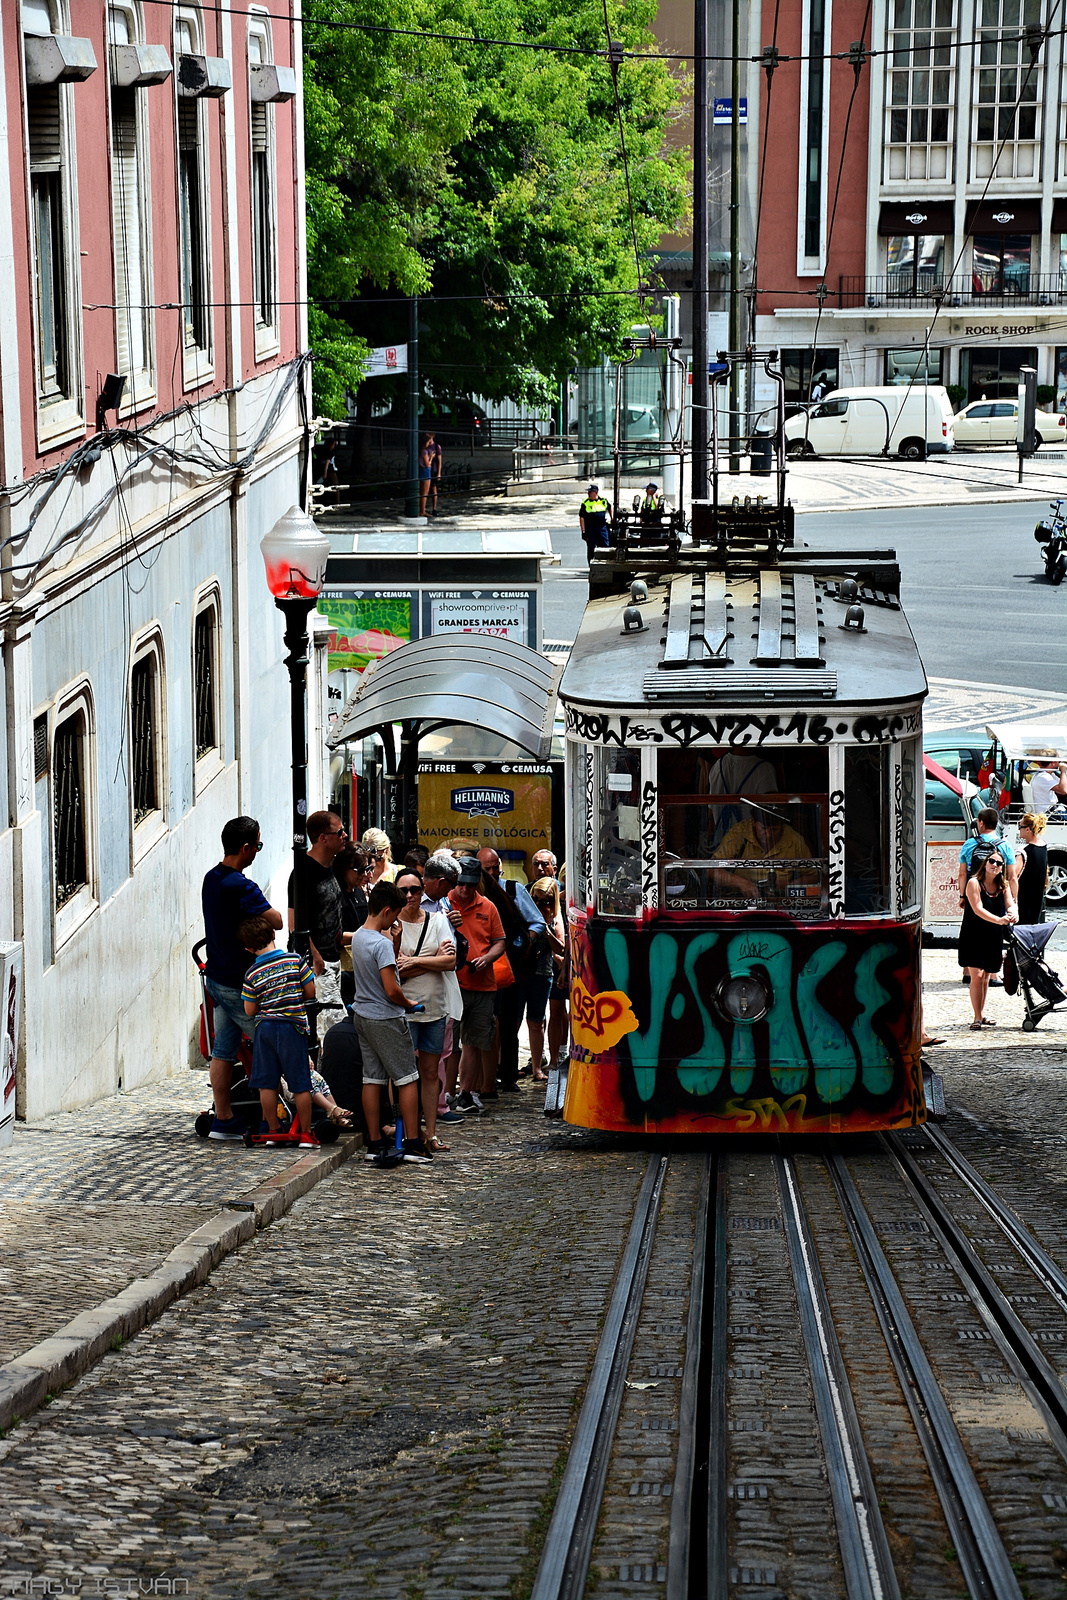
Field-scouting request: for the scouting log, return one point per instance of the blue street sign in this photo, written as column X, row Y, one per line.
column 723, row 112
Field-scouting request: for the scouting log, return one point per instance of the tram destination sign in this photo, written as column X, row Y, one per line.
column 745, row 728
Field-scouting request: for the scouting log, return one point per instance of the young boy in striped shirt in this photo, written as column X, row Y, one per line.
column 275, row 988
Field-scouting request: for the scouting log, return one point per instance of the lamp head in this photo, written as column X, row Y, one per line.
column 295, row 553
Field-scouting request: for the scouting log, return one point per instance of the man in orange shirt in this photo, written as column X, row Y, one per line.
column 483, row 930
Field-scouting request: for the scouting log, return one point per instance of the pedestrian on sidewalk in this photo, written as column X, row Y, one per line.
column 229, row 898
column 276, row 989
column 1048, row 786
column 379, row 853
column 351, row 871
column 440, row 877
column 523, row 927
column 483, row 930
column 322, row 903
column 425, row 957
column 988, row 909
column 380, row 1012
column 1033, row 871
column 550, row 952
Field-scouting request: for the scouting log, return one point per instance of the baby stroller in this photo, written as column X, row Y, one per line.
column 1023, row 966
column 244, row 1099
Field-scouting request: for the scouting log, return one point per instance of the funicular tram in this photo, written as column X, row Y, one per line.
column 744, row 816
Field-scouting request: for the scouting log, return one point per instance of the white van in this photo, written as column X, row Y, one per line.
column 856, row 422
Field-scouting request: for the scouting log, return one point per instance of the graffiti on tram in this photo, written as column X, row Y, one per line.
column 832, row 1040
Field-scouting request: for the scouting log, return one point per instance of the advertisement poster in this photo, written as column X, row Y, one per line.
column 506, row 613
column 942, row 881
column 365, row 627
column 507, row 812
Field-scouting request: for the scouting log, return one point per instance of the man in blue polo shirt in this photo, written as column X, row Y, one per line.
column 229, row 898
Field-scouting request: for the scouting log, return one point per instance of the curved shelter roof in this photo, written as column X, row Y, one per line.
column 478, row 679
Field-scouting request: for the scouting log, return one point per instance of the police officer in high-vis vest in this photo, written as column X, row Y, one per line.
column 651, row 505
column 593, row 519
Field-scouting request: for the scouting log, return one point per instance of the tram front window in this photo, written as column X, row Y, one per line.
column 618, row 832
column 751, row 831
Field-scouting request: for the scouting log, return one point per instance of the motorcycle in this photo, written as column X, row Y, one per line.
column 1053, row 535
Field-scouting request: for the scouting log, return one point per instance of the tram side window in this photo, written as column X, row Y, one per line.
column 867, row 812
column 618, row 832
column 741, row 827
column 578, row 843
column 909, row 790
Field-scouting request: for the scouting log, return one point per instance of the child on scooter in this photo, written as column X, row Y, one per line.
column 276, row 986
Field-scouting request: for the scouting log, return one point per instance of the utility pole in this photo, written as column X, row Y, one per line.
column 412, row 509
column 735, row 240
column 701, row 389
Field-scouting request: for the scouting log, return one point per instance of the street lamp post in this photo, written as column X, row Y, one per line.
column 294, row 554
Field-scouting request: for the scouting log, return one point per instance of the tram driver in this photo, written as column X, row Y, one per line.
column 761, row 836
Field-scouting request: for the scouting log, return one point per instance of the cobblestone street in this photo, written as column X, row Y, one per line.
column 370, row 1398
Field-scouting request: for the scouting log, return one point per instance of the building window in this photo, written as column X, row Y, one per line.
column 913, row 365
column 70, row 807
column 1000, row 263
column 192, row 215
column 130, row 222
column 801, row 382
column 814, row 131
column 1008, row 90
column 53, row 237
column 205, row 681
column 920, row 89
column 143, row 728
column 914, row 262
column 264, row 246
column 1061, row 379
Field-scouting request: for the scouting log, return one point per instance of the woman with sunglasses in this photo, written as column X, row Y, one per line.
column 988, row 909
column 545, row 896
column 426, row 951
column 351, row 871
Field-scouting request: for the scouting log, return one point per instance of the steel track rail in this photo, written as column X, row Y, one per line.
column 865, row 1555
column 1037, row 1259
column 691, row 1461
column 983, row 1560
column 1014, row 1340
column 564, row 1565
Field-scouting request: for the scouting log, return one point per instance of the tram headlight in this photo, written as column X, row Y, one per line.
column 744, row 999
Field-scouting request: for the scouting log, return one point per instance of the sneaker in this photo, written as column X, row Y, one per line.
column 490, row 1094
column 510, row 1088
column 470, row 1104
column 308, row 1140
column 376, row 1148
column 996, row 983
column 232, row 1131
column 416, row 1152
column 450, row 1116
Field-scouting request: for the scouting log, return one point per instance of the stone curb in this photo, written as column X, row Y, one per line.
column 28, row 1380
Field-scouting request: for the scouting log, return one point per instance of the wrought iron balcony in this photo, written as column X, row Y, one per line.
column 925, row 292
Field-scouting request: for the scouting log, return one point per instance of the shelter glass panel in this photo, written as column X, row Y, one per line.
column 578, row 864
column 906, row 798
column 867, row 881
column 618, row 831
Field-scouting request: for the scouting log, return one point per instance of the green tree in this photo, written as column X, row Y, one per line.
column 488, row 179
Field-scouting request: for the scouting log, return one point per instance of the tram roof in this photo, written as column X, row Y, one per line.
column 755, row 635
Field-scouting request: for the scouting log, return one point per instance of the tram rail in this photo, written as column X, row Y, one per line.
column 697, row 1539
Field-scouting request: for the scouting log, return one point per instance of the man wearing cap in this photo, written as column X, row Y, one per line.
column 593, row 519
column 483, row 930
column 650, row 507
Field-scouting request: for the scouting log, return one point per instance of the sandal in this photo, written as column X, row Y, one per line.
column 931, row 1040
column 976, row 1025
column 437, row 1145
column 339, row 1115
column 987, row 1022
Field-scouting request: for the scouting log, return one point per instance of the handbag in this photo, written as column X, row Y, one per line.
column 502, row 972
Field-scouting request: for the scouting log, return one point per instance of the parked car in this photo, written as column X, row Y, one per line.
column 996, row 422
column 915, row 422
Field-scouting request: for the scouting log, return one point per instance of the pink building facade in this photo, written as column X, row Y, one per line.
column 154, row 423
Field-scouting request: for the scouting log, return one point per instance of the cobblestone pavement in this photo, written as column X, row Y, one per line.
column 372, row 1398
column 92, row 1199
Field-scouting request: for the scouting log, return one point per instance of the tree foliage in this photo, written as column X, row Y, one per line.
column 487, row 179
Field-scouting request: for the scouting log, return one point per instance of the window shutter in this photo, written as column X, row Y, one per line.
column 259, row 128
column 45, row 129
column 129, row 243
column 188, row 124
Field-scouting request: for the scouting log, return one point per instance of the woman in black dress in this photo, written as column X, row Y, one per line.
column 988, row 908
column 1034, row 874
column 351, row 869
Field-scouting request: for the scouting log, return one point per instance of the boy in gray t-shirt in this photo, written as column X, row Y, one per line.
column 378, row 1011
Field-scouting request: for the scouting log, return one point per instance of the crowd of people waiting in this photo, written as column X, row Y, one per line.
column 423, row 974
